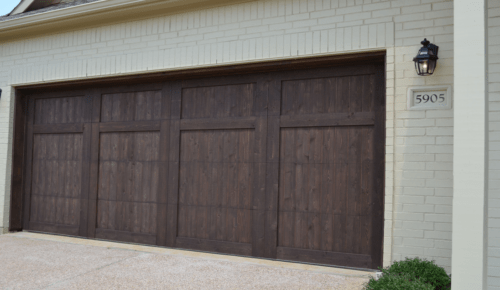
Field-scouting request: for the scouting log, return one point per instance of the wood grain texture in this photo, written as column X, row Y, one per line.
column 53, row 228
column 123, row 236
column 56, row 182
column 18, row 168
column 218, row 124
column 328, row 120
column 218, row 101
column 62, row 110
column 57, row 128
column 327, row 155
column 215, row 246
column 93, row 179
column 132, row 106
column 129, row 177
column 28, row 165
column 275, row 163
column 216, row 185
column 130, row 126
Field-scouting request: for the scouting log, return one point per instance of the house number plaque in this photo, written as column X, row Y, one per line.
column 429, row 98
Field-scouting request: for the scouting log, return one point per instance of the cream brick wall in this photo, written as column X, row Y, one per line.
column 494, row 145
column 419, row 143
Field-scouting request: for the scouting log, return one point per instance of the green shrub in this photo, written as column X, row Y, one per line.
column 424, row 270
column 397, row 282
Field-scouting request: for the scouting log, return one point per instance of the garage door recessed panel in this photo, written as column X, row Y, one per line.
column 328, row 95
column 62, row 110
column 215, row 190
column 218, row 101
column 135, row 106
column 56, row 182
column 128, row 182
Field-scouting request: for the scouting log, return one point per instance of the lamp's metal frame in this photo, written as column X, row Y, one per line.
column 431, row 52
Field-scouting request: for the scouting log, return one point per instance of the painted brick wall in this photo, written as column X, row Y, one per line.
column 494, row 145
column 419, row 143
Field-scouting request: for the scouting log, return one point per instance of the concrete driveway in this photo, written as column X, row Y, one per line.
column 38, row 261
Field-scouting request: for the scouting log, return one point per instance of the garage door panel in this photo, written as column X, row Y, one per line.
column 62, row 110
column 218, row 101
column 56, row 179
column 215, row 190
column 129, row 178
column 348, row 94
column 133, row 106
column 322, row 205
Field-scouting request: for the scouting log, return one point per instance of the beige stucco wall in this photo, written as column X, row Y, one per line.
column 419, row 144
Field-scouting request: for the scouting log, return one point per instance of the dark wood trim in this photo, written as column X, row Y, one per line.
column 94, row 163
column 325, row 72
column 259, row 159
column 219, row 70
column 328, row 120
column 29, row 165
column 133, row 126
column 58, row 93
column 173, row 164
column 163, row 209
column 130, row 237
column 85, row 181
column 132, row 88
column 214, row 246
column 18, row 155
column 216, row 81
column 93, row 180
column 379, row 174
column 216, row 124
column 324, row 257
column 272, row 168
column 57, row 128
column 54, row 228
column 95, row 95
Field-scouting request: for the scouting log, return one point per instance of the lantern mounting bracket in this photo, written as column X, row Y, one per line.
column 434, row 48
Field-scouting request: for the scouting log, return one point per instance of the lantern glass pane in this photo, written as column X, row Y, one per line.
column 417, row 67
column 432, row 66
column 425, row 66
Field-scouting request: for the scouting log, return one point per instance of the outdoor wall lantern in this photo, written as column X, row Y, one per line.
column 426, row 59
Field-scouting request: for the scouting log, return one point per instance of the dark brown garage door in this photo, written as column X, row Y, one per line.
column 285, row 165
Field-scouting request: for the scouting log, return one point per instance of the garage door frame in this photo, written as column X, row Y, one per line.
column 137, row 83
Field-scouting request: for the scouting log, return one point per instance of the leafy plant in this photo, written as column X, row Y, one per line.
column 416, row 271
column 397, row 282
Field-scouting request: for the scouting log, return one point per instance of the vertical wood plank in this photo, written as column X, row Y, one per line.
column 164, row 184
column 259, row 158
column 173, row 177
column 28, row 164
column 94, row 164
column 18, row 159
column 272, row 167
column 85, row 178
column 379, row 173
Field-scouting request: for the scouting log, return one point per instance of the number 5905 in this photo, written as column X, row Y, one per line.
column 433, row 98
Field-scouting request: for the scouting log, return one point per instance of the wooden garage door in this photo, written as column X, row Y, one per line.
column 285, row 165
